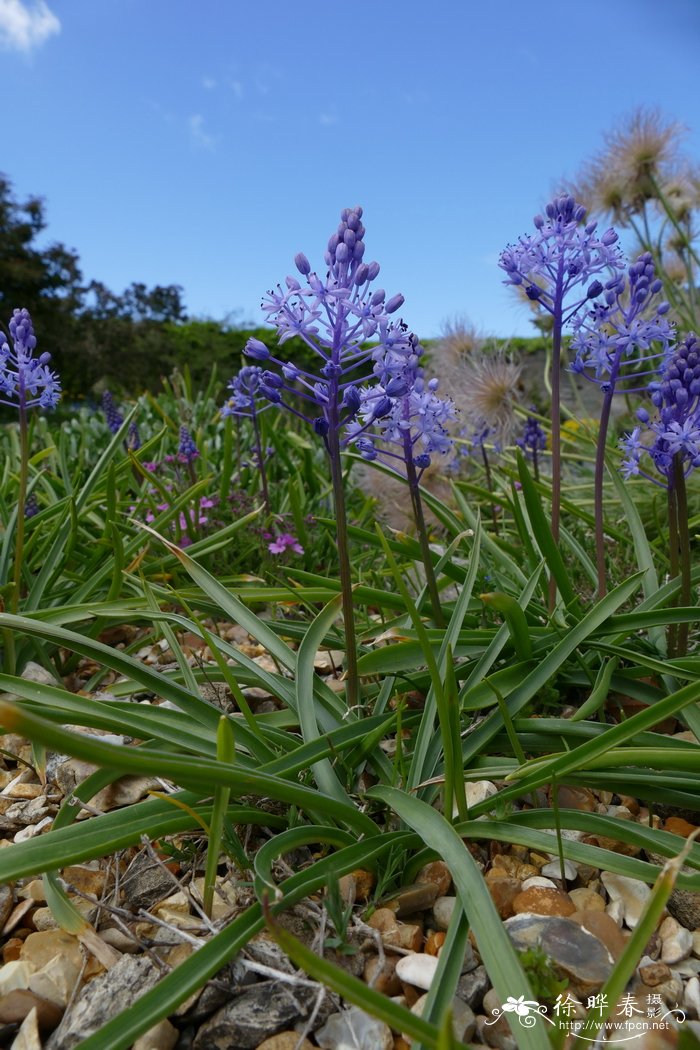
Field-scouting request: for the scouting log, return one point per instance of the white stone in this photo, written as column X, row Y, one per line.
column 32, row 830
column 616, row 911
column 676, row 941
column 353, row 1029
column 479, row 790
column 691, row 996
column 538, row 880
column 13, row 975
column 633, row 894
column 463, row 1019
column 56, row 980
column 417, row 969
column 442, row 911
column 553, row 870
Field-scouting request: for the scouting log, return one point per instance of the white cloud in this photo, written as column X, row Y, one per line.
column 201, row 138
column 208, row 83
column 237, row 88
column 24, row 26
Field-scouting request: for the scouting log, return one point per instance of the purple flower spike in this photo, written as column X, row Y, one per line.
column 114, row 417
column 187, row 450
column 25, row 381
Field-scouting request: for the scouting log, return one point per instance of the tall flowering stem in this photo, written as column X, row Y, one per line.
column 619, row 343
column 666, row 450
column 404, row 421
column 335, row 317
column 247, row 402
column 26, row 381
column 555, row 266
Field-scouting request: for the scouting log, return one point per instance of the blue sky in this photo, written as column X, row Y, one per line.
column 205, row 143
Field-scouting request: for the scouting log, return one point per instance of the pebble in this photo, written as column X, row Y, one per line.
column 14, row 975
column 15, row 1006
column 442, row 911
column 653, row 973
column 696, row 944
column 162, row 1036
column 538, row 880
column 353, row 1029
column 575, row 952
column 604, row 928
column 478, row 791
column 586, row 899
column 410, row 899
column 553, row 870
column 691, row 996
column 438, row 873
column 463, row 1019
column 285, row 1041
column 633, row 894
column 676, row 941
column 28, row 1037
column 472, row 987
column 541, row 900
column 417, row 969
column 503, row 889
column 382, row 975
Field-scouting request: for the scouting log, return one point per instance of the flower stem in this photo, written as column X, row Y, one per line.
column 556, row 422
column 673, row 544
column 352, row 692
column 599, row 474
column 21, row 503
column 422, row 533
column 489, row 486
column 261, row 463
column 683, row 548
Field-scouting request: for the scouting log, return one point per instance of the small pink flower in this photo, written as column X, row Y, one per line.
column 285, row 541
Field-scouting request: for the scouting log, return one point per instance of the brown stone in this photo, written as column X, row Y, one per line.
column 678, row 826
column 655, row 973
column 437, row 873
column 87, row 880
column 364, row 883
column 514, row 867
column 576, row 798
column 383, row 919
column 434, row 942
column 586, row 899
column 382, row 975
column 604, row 927
column 285, row 1041
column 410, row 899
column 543, row 900
column 503, row 890
column 15, row 1005
column 11, row 949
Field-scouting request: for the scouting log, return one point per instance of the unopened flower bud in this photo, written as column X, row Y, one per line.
column 302, row 263
column 321, row 426
column 422, row 461
column 395, row 303
column 594, row 289
column 256, row 349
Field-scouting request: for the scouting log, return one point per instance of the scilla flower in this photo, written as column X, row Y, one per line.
column 26, row 381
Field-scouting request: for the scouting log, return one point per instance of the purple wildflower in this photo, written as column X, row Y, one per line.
column 187, row 450
column 560, row 258
column 284, row 542
column 675, row 432
column 533, row 438
column 114, row 417
column 249, row 392
column 25, row 381
column 623, row 328
column 335, row 317
column 133, row 438
column 31, row 507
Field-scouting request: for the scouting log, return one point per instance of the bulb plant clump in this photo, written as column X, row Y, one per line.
column 362, row 720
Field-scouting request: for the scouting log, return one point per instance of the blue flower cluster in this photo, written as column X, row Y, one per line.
column 628, row 319
column 403, row 420
column 112, row 414
column 560, row 258
column 187, row 450
column 25, row 380
column 675, row 432
column 248, row 397
column 336, row 317
column 533, row 438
